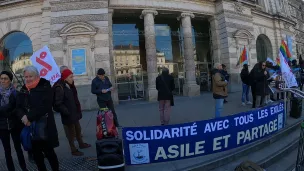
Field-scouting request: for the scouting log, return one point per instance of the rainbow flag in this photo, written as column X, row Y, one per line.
column 243, row 57
column 285, row 51
column 278, row 61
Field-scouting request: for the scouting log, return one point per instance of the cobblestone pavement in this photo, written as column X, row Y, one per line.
column 132, row 114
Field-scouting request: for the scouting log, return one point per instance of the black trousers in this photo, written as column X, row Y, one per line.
column 41, row 149
column 109, row 104
column 5, row 138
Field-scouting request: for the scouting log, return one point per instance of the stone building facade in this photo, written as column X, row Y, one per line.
column 192, row 35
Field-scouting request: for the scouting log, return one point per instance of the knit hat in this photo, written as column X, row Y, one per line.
column 101, row 72
column 9, row 74
column 65, row 73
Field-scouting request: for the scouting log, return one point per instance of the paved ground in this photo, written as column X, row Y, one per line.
column 141, row 113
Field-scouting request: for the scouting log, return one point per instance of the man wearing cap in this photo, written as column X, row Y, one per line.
column 102, row 87
column 68, row 105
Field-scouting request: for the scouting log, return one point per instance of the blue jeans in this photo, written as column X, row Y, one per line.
column 219, row 103
column 245, row 93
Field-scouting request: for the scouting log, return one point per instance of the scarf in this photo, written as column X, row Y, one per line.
column 5, row 94
column 33, row 84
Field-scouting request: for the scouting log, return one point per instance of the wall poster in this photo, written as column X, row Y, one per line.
column 79, row 64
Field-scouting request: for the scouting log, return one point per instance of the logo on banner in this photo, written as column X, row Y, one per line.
column 46, row 65
column 139, row 153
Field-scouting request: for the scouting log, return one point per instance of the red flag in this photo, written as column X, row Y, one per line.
column 1, row 56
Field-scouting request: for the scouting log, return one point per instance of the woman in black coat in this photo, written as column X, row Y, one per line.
column 261, row 88
column 10, row 124
column 34, row 104
column 165, row 86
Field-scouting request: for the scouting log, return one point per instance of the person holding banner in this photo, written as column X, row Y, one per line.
column 219, row 88
column 34, row 105
column 10, row 124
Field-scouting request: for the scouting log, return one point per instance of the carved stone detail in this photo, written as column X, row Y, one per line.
column 238, row 7
column 78, row 6
column 92, row 43
column 79, row 18
column 78, row 28
column 146, row 12
column 65, row 44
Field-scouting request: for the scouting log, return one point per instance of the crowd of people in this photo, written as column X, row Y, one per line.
column 34, row 104
column 258, row 80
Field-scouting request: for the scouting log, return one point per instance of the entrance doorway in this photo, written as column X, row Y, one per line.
column 263, row 47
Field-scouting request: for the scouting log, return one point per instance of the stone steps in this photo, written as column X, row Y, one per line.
column 269, row 154
column 286, row 163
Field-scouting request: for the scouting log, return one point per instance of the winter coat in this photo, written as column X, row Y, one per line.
column 165, row 87
column 66, row 102
column 261, row 85
column 245, row 76
column 225, row 74
column 219, row 85
column 8, row 117
column 37, row 103
column 98, row 85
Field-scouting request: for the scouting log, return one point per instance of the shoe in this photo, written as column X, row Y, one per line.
column 77, row 153
column 270, row 101
column 84, row 145
column 249, row 103
column 243, row 104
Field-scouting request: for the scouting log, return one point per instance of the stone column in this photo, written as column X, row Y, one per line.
column 190, row 87
column 148, row 16
column 112, row 70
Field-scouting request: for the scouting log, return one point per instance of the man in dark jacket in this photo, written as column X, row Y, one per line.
column 102, row 87
column 246, row 85
column 165, row 86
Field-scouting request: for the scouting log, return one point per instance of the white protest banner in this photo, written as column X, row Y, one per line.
column 46, row 65
column 287, row 74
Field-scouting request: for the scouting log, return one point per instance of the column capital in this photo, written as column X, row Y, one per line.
column 185, row 14
column 145, row 12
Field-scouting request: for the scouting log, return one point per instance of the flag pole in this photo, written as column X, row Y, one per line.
column 6, row 63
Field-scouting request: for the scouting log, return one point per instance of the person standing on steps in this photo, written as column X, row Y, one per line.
column 101, row 86
column 10, row 124
column 246, row 85
column 219, row 88
column 165, row 86
column 67, row 103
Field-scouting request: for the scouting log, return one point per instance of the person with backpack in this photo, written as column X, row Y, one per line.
column 66, row 102
column 165, row 86
column 10, row 124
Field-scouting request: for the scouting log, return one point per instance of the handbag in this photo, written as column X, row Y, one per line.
column 171, row 99
column 39, row 129
column 26, row 139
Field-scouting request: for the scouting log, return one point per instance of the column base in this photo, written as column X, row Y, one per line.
column 151, row 94
column 191, row 90
column 114, row 95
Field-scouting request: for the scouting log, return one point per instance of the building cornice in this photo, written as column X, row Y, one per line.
column 278, row 17
column 20, row 16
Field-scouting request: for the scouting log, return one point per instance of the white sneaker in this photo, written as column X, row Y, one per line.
column 243, row 104
column 249, row 103
column 270, row 101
